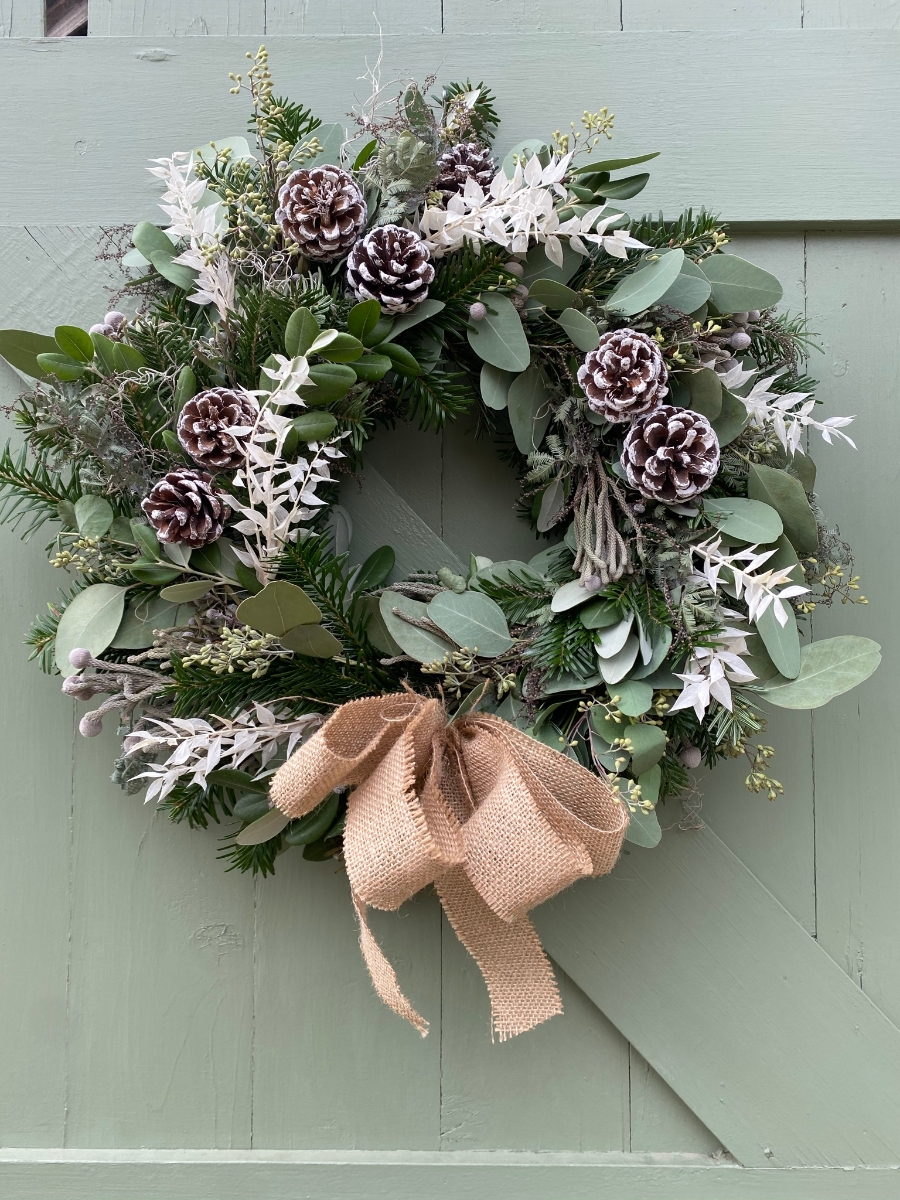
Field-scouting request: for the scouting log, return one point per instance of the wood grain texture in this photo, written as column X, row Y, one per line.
column 391, row 1175
column 346, row 17
column 854, row 297
column 780, row 1055
column 839, row 169
column 711, row 14
column 851, row 14
column 530, row 16
column 145, row 18
column 21, row 18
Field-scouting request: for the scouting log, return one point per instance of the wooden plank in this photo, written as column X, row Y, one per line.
column 660, row 1120
column 144, row 18
column 472, row 1175
column 332, row 1066
column 711, row 14
column 21, row 18
column 779, row 1054
column 839, row 169
column 343, row 17
column 851, row 14
column 854, row 295
column 531, row 16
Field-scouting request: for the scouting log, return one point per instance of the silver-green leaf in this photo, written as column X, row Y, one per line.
column 473, row 620
column 827, row 669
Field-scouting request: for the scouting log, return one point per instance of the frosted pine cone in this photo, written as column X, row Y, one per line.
column 204, row 420
column 390, row 265
column 322, row 210
column 625, row 377
column 465, row 161
column 186, row 507
column 671, row 454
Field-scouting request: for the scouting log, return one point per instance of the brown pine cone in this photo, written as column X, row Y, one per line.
column 468, row 160
column 322, row 210
column 202, row 425
column 186, row 507
column 671, row 454
column 390, row 265
column 625, row 377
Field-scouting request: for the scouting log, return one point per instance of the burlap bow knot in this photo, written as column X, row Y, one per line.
column 497, row 821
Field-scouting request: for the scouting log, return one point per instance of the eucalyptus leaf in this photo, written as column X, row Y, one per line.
column 786, row 495
column 785, row 559
column 538, row 266
column 263, row 830
column 495, row 386
column 644, row 287
column 746, row 520
column 609, row 641
column 634, row 697
column 301, row 331
column 615, row 667
column 153, row 572
column 94, row 515
column 782, row 642
column 120, row 531
column 315, row 641
column 500, row 339
column 423, row 311
column 689, row 291
column 600, row 615
column 570, row 595
column 522, row 151
column 339, row 525
column 650, row 783
column 643, row 828
column 89, row 621
column 582, row 331
column 376, row 629
column 805, row 469
column 277, row 608
column 331, row 138
column 528, row 404
column 21, row 348
column 827, row 669
column 648, row 746
column 706, row 393
column 472, row 620
column 552, row 501
column 566, row 681
column 738, row 285
column 552, row 294
column 146, row 538
column 731, row 420
column 183, row 277
column 142, row 617
column 184, row 593
column 420, row 644
column 150, row 240
column 65, row 510
column 661, row 643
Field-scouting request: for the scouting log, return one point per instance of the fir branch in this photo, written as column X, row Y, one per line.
column 258, row 859
column 190, row 803
column 461, row 277
column 31, row 495
column 436, row 397
column 564, row 646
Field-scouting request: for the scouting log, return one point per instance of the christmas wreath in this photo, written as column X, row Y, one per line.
column 496, row 731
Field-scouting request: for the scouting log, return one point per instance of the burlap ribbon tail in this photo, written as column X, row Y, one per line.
column 496, row 820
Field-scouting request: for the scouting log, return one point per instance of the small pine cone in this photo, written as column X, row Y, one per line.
column 671, row 454
column 468, row 160
column 390, row 265
column 204, row 420
column 322, row 210
column 625, row 377
column 186, row 507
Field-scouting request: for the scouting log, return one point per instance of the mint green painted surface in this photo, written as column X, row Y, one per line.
column 228, row 1027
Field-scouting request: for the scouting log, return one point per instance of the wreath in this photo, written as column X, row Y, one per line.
column 497, row 730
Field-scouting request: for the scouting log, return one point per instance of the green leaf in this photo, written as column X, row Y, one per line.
column 246, row 577
column 401, row 360
column 375, row 570
column 363, row 317
column 380, row 333
column 689, row 291
column 827, row 669
column 154, row 573
column 315, row 426
column 495, row 386
column 105, row 350
column 328, row 382
column 94, row 515
column 500, row 339
column 582, row 331
column 342, row 348
column 277, row 608
column 650, row 783
column 782, row 642
column 613, row 164
column 553, row 295
column 372, row 367
column 528, row 403
column 376, row 630
column 301, row 331
column 251, row 808
column 624, row 189
column 738, row 285
column 523, row 151
column 538, row 266
column 315, row 641
column 643, row 829
column 786, row 495
column 552, row 500
column 805, row 469
column 146, row 538
column 747, row 520
column 732, row 418
column 570, row 595
column 21, row 348
column 64, row 368
column 184, row 593
column 649, row 742
column 264, row 829
column 238, row 780
column 423, row 311
column 142, row 617
column 643, row 287
column 185, row 387
column 90, row 621
column 365, row 154
column 634, row 697
column 127, row 358
column 183, row 277
column 120, row 530
column 150, row 240
column 472, row 620
column 420, row 644
column 662, row 642
column 315, row 824
column 706, row 393
column 602, row 614
column 75, row 342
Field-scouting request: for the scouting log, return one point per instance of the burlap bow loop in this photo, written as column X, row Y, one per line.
column 496, row 820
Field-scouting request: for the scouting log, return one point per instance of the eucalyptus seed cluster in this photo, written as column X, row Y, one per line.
column 91, row 556
column 242, row 650
column 462, row 672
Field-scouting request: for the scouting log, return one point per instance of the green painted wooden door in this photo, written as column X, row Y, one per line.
column 732, row 998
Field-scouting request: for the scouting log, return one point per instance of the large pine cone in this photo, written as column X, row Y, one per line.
column 186, row 507
column 202, row 425
column 322, row 210
column 671, row 454
column 468, row 160
column 390, row 265
column 625, row 377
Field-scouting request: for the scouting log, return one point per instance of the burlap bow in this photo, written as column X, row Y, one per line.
column 497, row 821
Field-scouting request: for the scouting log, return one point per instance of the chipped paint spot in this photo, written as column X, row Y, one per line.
column 153, row 55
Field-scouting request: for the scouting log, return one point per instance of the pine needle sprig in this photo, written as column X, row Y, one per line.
column 436, row 397
column 31, row 494
column 461, row 278
column 564, row 646
column 258, row 859
column 190, row 803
